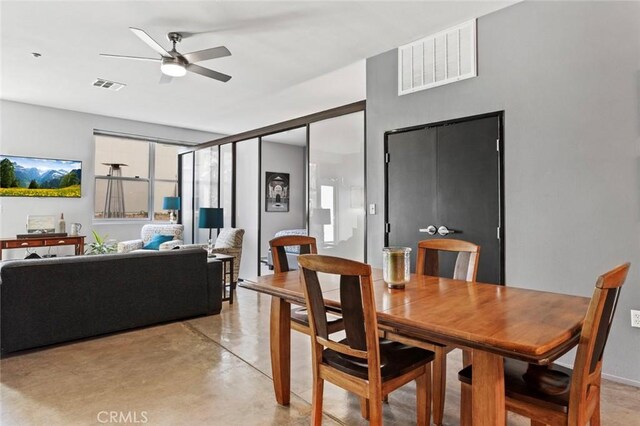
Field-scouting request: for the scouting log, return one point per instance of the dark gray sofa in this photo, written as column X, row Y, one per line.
column 46, row 301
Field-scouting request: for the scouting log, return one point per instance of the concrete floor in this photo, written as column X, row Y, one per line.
column 212, row 370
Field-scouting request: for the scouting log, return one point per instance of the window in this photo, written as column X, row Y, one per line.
column 132, row 176
column 166, row 177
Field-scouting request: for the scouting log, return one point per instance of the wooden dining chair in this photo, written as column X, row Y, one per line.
column 362, row 363
column 556, row 395
column 466, row 268
column 307, row 245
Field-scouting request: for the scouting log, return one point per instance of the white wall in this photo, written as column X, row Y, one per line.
column 283, row 158
column 567, row 76
column 36, row 131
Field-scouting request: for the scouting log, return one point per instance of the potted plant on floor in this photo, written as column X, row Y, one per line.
column 101, row 245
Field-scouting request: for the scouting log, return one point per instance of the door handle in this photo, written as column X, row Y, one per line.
column 431, row 230
column 443, row 230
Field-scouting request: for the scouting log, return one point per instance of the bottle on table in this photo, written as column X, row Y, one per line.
column 62, row 226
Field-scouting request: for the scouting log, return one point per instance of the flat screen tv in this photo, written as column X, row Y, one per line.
column 39, row 177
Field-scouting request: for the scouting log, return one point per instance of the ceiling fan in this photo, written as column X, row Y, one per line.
column 176, row 64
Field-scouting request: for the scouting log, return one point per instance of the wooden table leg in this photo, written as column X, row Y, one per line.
column 280, row 337
column 230, row 282
column 488, row 389
column 439, row 383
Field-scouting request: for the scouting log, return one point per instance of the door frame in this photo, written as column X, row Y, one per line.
column 500, row 153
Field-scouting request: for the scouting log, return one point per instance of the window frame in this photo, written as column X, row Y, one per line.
column 150, row 180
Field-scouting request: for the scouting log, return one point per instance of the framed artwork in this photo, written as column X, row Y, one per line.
column 276, row 192
column 39, row 177
column 38, row 224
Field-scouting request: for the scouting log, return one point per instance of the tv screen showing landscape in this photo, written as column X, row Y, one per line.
column 39, row 177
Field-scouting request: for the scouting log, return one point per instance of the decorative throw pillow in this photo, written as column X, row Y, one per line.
column 156, row 240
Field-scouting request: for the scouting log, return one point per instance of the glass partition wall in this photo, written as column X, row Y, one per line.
column 206, row 180
column 206, row 187
column 186, row 178
column 283, row 188
column 336, row 186
column 247, row 203
column 307, row 177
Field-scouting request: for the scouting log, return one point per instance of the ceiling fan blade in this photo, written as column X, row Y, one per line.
column 137, row 58
column 150, row 42
column 208, row 73
column 203, row 55
column 165, row 79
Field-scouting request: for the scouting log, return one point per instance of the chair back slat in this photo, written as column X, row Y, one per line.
column 466, row 266
column 428, row 262
column 356, row 300
column 315, row 303
column 604, row 326
column 278, row 247
column 461, row 270
column 352, row 313
column 280, row 261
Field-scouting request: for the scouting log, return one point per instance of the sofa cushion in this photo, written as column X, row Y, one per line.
column 156, row 240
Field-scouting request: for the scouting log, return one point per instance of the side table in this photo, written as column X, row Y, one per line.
column 227, row 275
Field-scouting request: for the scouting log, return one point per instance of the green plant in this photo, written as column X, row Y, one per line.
column 101, row 245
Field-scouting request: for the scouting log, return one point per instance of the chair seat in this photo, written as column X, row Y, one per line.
column 396, row 359
column 301, row 316
column 547, row 387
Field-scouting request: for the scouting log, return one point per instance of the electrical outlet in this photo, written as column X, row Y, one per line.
column 635, row 318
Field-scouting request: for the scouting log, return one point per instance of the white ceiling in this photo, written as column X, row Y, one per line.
column 288, row 58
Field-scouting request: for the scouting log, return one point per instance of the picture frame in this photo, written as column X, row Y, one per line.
column 276, row 192
column 40, row 177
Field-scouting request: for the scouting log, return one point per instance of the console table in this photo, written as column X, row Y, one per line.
column 44, row 241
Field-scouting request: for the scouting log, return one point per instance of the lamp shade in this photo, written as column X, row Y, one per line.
column 211, row 217
column 171, row 203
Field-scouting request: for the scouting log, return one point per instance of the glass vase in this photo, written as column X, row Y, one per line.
column 396, row 264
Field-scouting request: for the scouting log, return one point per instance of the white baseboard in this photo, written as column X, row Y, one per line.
column 611, row 377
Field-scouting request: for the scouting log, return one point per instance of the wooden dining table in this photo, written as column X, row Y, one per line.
column 492, row 321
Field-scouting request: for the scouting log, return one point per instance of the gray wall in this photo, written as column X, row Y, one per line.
column 567, row 76
column 279, row 157
column 36, row 131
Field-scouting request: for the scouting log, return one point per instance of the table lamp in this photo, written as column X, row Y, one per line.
column 171, row 204
column 210, row 217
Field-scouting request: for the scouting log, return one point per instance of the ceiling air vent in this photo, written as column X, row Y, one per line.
column 107, row 84
column 438, row 59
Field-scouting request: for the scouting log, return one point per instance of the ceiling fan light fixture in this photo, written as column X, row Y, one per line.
column 173, row 68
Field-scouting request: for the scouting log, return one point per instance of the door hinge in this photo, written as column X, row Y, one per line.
column 498, row 145
column 387, row 157
column 498, row 232
column 387, row 227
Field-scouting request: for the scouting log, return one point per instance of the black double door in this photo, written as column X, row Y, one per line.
column 444, row 181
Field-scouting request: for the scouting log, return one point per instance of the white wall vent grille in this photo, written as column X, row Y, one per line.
column 107, row 84
column 442, row 58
